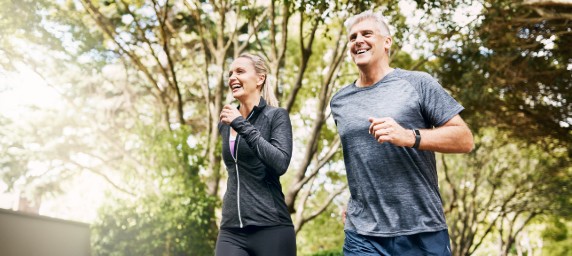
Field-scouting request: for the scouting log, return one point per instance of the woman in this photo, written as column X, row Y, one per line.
column 256, row 149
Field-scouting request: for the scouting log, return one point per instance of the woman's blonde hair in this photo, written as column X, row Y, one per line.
column 262, row 69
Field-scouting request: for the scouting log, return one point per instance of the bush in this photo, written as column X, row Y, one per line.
column 329, row 253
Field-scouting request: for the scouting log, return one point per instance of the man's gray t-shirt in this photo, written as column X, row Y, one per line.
column 394, row 190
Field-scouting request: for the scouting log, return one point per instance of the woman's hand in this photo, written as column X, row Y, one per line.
column 228, row 114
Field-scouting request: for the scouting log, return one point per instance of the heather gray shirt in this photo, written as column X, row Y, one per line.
column 394, row 190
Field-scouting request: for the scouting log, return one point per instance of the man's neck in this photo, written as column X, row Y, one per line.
column 369, row 75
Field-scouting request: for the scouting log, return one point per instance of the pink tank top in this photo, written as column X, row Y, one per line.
column 231, row 141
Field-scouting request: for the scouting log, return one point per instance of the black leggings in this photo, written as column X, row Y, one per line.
column 257, row 241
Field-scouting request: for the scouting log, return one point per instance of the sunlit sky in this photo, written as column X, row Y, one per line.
column 24, row 88
column 18, row 91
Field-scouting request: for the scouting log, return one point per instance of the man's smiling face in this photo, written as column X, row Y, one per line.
column 367, row 43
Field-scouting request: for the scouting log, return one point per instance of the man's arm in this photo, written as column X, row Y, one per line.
column 452, row 137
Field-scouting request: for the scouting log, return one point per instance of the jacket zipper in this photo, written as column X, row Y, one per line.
column 235, row 157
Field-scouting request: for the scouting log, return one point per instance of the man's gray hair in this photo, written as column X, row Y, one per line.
column 369, row 14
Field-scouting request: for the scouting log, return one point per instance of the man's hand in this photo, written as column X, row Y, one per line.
column 385, row 129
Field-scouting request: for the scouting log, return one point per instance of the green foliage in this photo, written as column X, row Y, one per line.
column 328, row 253
column 22, row 22
column 509, row 68
column 516, row 78
column 322, row 236
column 170, row 224
column 555, row 230
column 177, row 220
column 31, row 151
column 501, row 186
column 52, row 30
column 557, row 237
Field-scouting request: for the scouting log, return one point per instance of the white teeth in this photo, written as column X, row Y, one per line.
column 236, row 86
column 361, row 51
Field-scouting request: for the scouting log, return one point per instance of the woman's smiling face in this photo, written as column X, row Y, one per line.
column 243, row 80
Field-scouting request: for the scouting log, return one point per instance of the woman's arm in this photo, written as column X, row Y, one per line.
column 275, row 153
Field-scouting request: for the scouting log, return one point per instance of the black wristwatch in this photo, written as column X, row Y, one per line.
column 417, row 138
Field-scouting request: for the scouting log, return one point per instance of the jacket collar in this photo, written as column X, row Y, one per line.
column 257, row 109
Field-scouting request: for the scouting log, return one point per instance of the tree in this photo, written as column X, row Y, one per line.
column 509, row 65
column 138, row 77
column 211, row 33
column 557, row 237
column 315, row 237
column 129, row 69
column 500, row 189
column 176, row 221
column 512, row 69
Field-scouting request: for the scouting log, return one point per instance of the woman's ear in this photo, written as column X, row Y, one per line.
column 261, row 80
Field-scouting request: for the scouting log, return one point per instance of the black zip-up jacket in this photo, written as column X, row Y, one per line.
column 263, row 150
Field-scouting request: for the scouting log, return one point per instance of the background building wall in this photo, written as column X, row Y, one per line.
column 23, row 234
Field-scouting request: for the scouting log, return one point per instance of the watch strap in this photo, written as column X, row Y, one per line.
column 417, row 138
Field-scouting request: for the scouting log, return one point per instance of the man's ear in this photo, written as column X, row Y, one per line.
column 388, row 41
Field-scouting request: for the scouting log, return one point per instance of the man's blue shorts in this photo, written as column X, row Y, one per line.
column 430, row 243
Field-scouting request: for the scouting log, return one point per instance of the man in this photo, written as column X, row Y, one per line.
column 391, row 121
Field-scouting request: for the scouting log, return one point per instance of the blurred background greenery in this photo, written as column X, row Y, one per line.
column 108, row 113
